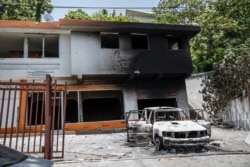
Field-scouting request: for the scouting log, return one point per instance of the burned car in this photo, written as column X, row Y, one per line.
column 166, row 127
column 139, row 130
column 201, row 117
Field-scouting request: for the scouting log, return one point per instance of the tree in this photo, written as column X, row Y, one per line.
column 224, row 24
column 24, row 9
column 221, row 47
column 229, row 78
column 101, row 15
column 78, row 14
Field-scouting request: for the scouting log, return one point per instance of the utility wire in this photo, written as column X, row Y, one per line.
column 84, row 7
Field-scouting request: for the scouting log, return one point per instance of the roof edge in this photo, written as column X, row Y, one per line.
column 29, row 24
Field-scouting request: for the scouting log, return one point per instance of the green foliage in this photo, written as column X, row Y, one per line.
column 24, row 9
column 182, row 11
column 102, row 15
column 78, row 14
column 224, row 25
column 229, row 78
column 222, row 46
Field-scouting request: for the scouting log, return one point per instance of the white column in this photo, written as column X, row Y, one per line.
column 26, row 47
column 43, row 47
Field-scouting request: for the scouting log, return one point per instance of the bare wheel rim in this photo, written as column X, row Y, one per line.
column 157, row 143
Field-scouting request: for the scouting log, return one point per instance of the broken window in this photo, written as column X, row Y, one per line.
column 36, row 112
column 91, row 106
column 29, row 45
column 36, row 109
column 71, row 111
column 139, row 41
column 43, row 46
column 174, row 43
column 102, row 109
column 11, row 45
column 110, row 40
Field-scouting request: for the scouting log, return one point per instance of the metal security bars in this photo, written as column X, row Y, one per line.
column 32, row 117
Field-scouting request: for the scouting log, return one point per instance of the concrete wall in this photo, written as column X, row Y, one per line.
column 181, row 96
column 129, row 98
column 193, row 85
column 85, row 53
column 237, row 113
column 11, row 107
column 64, row 55
column 88, row 58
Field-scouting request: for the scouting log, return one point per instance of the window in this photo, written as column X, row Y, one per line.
column 18, row 45
column 43, row 46
column 110, row 40
column 174, row 43
column 92, row 106
column 139, row 41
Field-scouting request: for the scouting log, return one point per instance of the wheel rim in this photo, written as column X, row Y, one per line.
column 157, row 143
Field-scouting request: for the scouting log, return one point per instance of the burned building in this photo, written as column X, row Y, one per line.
column 110, row 67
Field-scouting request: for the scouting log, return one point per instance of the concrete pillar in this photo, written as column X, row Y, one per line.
column 43, row 44
column 129, row 97
column 125, row 41
column 181, row 97
column 26, row 47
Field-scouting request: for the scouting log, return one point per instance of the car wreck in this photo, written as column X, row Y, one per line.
column 166, row 127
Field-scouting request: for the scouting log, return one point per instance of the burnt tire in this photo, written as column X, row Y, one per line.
column 158, row 143
column 128, row 136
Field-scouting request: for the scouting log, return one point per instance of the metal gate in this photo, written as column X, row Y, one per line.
column 32, row 117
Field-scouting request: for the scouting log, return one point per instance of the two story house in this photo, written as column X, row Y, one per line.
column 110, row 67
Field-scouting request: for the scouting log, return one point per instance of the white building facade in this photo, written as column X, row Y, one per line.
column 110, row 67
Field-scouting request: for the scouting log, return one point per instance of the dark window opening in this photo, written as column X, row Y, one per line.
column 11, row 45
column 34, row 116
column 57, row 117
column 174, row 43
column 139, row 41
column 109, row 40
column 143, row 103
column 71, row 111
column 102, row 109
column 36, row 110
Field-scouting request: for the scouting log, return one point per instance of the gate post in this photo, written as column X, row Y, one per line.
column 48, row 147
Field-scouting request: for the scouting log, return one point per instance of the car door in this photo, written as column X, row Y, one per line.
column 139, row 129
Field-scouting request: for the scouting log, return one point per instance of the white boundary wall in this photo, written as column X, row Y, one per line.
column 237, row 113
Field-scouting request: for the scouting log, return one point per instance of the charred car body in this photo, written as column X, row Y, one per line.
column 167, row 127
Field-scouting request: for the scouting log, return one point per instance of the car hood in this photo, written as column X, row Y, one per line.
column 178, row 126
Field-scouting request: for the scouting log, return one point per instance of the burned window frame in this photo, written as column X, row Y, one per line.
column 109, row 40
column 80, row 96
column 139, row 41
column 175, row 43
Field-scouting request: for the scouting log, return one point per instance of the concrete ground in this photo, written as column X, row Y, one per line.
column 229, row 147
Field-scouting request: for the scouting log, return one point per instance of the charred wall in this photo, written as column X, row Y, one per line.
column 142, row 93
column 153, row 68
column 126, row 53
